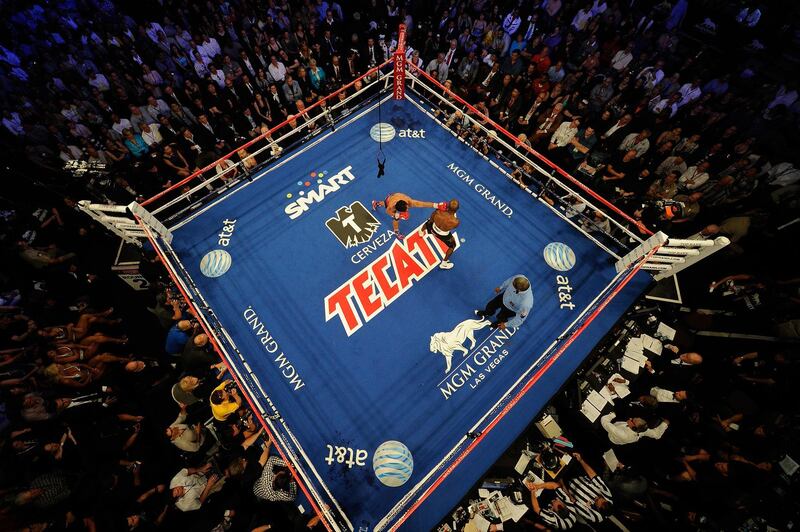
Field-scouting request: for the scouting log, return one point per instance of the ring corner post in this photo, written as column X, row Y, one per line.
column 400, row 64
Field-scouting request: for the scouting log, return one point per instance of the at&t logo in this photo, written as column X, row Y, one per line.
column 384, row 132
column 560, row 257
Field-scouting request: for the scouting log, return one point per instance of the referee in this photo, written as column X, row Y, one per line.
column 514, row 300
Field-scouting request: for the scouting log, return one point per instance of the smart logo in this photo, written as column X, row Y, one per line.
column 296, row 209
column 353, row 225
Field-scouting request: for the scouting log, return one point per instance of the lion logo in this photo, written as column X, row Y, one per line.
column 447, row 343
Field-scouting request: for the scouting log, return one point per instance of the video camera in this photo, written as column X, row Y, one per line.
column 660, row 210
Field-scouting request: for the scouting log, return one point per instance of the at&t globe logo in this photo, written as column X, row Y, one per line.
column 382, row 132
column 559, row 256
column 215, row 263
column 393, row 463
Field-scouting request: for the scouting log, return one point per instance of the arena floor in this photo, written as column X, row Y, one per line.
column 334, row 317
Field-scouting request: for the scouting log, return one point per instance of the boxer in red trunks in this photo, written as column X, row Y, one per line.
column 397, row 205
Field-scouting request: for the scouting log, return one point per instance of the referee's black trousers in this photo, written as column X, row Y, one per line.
column 497, row 304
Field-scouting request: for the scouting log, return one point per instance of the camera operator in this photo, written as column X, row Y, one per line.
column 225, row 400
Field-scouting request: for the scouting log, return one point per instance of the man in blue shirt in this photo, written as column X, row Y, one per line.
column 177, row 337
column 514, row 301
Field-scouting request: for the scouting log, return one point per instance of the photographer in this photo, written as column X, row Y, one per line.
column 275, row 483
column 225, row 400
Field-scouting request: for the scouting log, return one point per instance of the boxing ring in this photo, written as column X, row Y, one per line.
column 339, row 333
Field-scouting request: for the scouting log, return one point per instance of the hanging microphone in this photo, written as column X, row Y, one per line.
column 381, row 167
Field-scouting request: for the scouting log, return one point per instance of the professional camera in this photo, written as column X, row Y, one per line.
column 661, row 210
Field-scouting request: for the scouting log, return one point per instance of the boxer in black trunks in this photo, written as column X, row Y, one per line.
column 441, row 224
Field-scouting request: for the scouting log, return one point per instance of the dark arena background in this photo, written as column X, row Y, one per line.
column 229, row 302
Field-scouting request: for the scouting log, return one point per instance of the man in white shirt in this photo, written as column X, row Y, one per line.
column 784, row 96
column 581, row 18
column 749, row 16
column 150, row 134
column 191, row 487
column 438, row 68
column 674, row 163
column 487, row 58
column 70, row 112
column 99, row 81
column 599, row 7
column 694, row 177
column 211, row 47
column 652, row 75
column 689, row 92
column 658, row 104
column 622, row 58
column 248, row 65
column 277, row 70
column 511, row 22
column 217, row 75
column 780, row 175
column 667, row 396
column 152, row 30
column 564, row 134
column 631, row 430
column 156, row 106
column 637, row 142
column 200, row 65
column 69, row 152
column 120, row 124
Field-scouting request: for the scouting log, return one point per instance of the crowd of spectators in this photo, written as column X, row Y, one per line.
column 121, row 419
column 701, row 436
column 109, row 426
column 692, row 441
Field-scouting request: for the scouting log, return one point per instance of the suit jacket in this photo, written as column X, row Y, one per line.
column 292, row 93
column 205, row 138
column 370, row 52
column 178, row 97
column 185, row 146
column 260, row 61
column 351, row 70
column 276, row 101
column 169, row 133
column 483, row 72
column 219, row 101
column 243, row 125
column 232, row 132
column 334, row 76
column 233, row 98
column 253, row 63
column 247, row 94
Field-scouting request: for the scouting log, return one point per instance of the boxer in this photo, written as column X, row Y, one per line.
column 441, row 224
column 397, row 205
